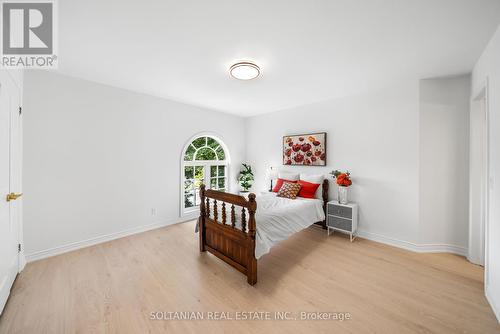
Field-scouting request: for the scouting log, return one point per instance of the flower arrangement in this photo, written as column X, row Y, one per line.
column 343, row 181
column 343, row 178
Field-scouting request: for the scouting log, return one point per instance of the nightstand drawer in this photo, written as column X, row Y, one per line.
column 340, row 211
column 340, row 223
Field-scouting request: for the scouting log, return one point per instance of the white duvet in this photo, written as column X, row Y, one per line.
column 278, row 218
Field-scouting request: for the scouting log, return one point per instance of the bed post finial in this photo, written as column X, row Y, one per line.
column 201, row 219
column 252, row 261
column 251, row 210
column 326, row 186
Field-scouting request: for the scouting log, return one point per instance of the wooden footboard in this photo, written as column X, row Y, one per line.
column 221, row 236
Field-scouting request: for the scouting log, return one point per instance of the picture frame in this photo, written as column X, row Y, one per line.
column 304, row 149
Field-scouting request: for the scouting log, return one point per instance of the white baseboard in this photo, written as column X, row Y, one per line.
column 494, row 307
column 419, row 248
column 22, row 261
column 97, row 240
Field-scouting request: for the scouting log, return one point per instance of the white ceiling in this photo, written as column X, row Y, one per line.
column 308, row 50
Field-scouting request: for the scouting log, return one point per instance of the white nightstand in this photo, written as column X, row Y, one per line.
column 342, row 217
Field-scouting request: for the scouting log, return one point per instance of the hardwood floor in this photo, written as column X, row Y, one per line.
column 114, row 287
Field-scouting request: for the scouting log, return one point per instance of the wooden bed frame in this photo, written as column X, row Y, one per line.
column 223, row 239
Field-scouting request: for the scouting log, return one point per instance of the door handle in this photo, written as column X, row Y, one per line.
column 13, row 196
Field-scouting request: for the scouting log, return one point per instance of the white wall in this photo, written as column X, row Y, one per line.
column 488, row 69
column 390, row 140
column 97, row 159
column 444, row 162
column 373, row 135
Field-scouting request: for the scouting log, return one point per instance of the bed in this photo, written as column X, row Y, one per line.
column 231, row 228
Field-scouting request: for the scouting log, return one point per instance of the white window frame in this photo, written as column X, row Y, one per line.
column 194, row 211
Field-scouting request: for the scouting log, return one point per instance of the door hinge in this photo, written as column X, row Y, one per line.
column 19, row 248
column 20, row 110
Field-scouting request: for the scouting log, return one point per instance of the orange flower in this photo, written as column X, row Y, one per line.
column 311, row 139
column 344, row 180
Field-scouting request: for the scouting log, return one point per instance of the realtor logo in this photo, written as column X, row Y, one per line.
column 28, row 39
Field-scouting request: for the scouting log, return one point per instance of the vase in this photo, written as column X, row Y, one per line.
column 343, row 195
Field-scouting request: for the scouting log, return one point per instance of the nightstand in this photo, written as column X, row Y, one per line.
column 342, row 217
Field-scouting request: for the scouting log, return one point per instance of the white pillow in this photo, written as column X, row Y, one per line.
column 288, row 176
column 314, row 179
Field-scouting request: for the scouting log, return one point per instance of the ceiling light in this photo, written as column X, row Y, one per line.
column 244, row 71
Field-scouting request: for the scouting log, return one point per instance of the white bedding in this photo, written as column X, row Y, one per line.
column 278, row 218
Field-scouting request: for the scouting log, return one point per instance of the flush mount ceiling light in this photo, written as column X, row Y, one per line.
column 244, row 71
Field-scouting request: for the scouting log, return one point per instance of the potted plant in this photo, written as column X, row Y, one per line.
column 246, row 177
column 343, row 182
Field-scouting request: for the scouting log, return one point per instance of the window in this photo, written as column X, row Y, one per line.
column 204, row 161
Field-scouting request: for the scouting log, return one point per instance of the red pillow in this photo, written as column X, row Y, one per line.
column 308, row 189
column 279, row 183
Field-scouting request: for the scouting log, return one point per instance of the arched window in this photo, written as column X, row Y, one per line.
column 205, row 160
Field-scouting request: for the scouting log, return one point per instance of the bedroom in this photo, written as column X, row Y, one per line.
column 110, row 146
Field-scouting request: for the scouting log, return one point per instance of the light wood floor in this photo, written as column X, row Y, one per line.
column 113, row 288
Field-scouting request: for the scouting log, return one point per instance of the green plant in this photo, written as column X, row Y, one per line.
column 246, row 177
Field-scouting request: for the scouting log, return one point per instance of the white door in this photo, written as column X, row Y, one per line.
column 477, row 181
column 10, row 182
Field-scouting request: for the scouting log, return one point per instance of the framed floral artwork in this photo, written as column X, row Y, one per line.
column 305, row 150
